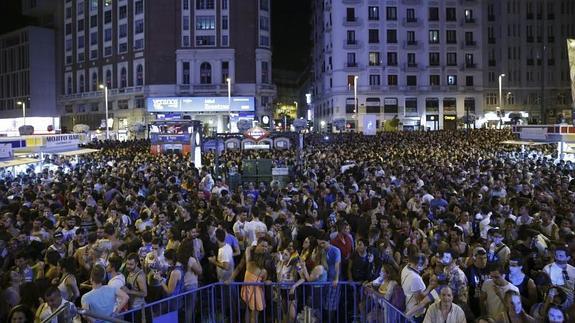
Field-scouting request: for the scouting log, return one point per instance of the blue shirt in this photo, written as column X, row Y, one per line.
column 100, row 301
column 333, row 256
column 232, row 241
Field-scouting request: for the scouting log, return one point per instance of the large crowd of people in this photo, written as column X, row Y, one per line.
column 447, row 226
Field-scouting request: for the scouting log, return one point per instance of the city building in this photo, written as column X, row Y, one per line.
column 431, row 63
column 144, row 49
column 27, row 80
column 526, row 42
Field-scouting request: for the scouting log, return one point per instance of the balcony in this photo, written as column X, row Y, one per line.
column 411, row 67
column 351, row 1
column 468, row 22
column 411, row 2
column 411, row 22
column 469, row 44
column 351, row 66
column 469, row 65
column 100, row 93
column 352, row 22
column 411, row 44
column 351, row 44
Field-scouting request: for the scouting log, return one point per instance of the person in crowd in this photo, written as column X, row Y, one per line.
column 445, row 310
column 524, row 283
column 514, row 311
column 413, row 286
column 54, row 302
column 493, row 291
column 562, row 274
column 136, row 286
column 101, row 299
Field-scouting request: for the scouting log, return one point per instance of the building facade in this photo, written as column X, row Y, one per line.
column 428, row 63
column 27, row 75
column 144, row 48
column 526, row 41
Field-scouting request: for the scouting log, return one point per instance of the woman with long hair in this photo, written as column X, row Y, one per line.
column 67, row 284
column 252, row 295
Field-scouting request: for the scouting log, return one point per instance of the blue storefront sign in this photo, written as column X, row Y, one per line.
column 200, row 104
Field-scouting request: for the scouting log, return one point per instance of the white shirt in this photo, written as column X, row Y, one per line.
column 412, row 283
column 494, row 302
column 556, row 274
column 455, row 315
column 225, row 254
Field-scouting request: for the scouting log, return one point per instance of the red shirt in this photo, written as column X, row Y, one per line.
column 343, row 242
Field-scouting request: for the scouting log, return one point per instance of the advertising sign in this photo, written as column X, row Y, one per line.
column 256, row 133
column 6, row 152
column 200, row 104
column 369, row 125
column 62, row 140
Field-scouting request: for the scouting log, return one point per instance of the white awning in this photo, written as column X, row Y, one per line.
column 526, row 143
column 18, row 162
column 77, row 152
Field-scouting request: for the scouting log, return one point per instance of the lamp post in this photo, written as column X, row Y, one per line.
column 355, row 78
column 105, row 88
column 229, row 82
column 501, row 76
column 23, row 104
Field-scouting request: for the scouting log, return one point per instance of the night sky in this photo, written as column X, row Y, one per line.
column 291, row 34
column 290, row 30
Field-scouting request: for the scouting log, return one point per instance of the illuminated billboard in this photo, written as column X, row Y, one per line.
column 200, row 104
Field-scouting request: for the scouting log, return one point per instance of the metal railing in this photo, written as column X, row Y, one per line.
column 270, row 302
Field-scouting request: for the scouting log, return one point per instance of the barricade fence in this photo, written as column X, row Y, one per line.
column 348, row 302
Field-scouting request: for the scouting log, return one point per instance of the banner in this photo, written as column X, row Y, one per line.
column 369, row 125
column 571, row 53
column 6, row 152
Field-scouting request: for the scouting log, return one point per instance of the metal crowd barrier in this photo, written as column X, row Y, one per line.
column 263, row 303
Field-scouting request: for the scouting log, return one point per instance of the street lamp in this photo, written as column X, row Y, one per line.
column 501, row 76
column 321, row 125
column 105, row 88
column 23, row 104
column 355, row 78
column 229, row 82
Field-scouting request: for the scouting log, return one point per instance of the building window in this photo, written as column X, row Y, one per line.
column 186, row 4
column 123, row 78
column 224, row 40
column 469, row 15
column 469, row 80
column 108, row 51
column 123, row 12
column 204, row 22
column 264, row 41
column 264, row 23
column 224, row 22
column 411, row 38
column 391, row 58
column 94, row 38
column 451, row 59
column 139, row 102
column 351, row 60
column 69, row 85
column 392, row 36
column 374, row 36
column 372, row 105
column 93, row 5
column 434, row 59
column 123, row 47
column 265, row 73
column 108, row 34
column 451, row 79
column 451, row 36
column 469, row 60
column 123, row 30
column 432, row 105
column 109, row 79
column 186, row 41
column 94, row 81
column 374, row 79
column 350, row 37
column 205, row 73
column 469, row 105
column 350, row 14
column 224, row 4
column 107, row 17
column 410, row 106
column 139, row 44
column 433, row 14
column 391, row 13
column 411, row 60
column 139, row 26
column 264, row 5
column 81, row 83
column 434, row 80
column 373, row 12
column 390, row 105
column 68, row 28
column 122, row 105
column 450, row 14
column 491, row 99
column 392, row 80
column 140, row 75
column 80, row 42
column 186, row 73
column 434, row 36
column 411, row 80
column 225, row 71
column 80, row 24
column 205, row 4
column 410, row 15
column 186, row 23
column 374, row 59
column 139, row 7
column 205, row 40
